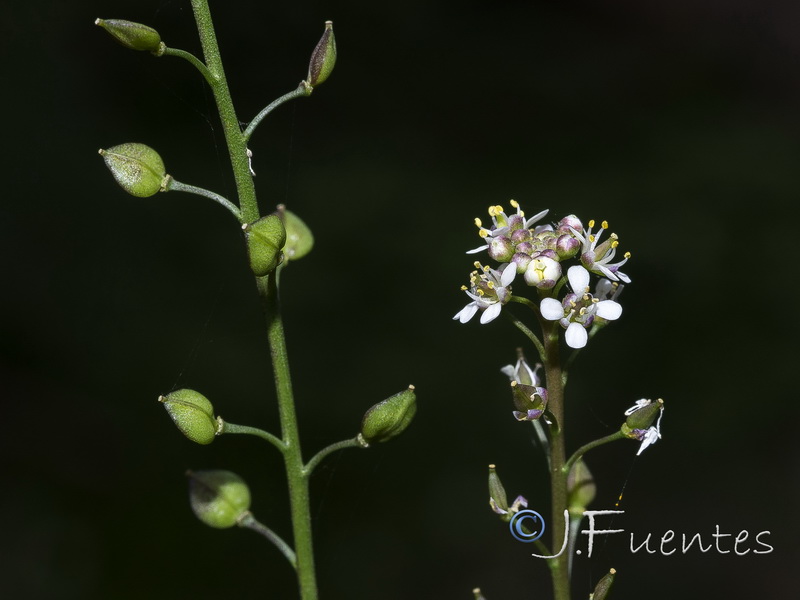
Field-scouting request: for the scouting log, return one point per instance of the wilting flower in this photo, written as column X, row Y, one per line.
column 645, row 412
column 489, row 292
column 522, row 372
column 578, row 310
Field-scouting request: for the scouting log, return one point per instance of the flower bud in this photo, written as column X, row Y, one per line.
column 581, row 488
column 643, row 417
column 299, row 239
column 132, row 35
column 604, row 586
column 501, row 249
column 265, row 239
column 570, row 222
column 497, row 493
column 136, row 167
column 389, row 418
column 218, row 498
column 193, row 414
column 323, row 58
column 529, row 400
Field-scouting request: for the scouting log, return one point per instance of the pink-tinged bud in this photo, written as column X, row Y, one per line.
column 501, row 249
column 567, row 246
column 570, row 221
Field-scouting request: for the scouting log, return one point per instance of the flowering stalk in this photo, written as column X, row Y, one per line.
column 536, row 256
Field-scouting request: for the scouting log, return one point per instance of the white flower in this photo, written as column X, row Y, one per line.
column 543, row 272
column 579, row 309
column 489, row 291
column 503, row 224
column 597, row 258
column 522, row 372
column 650, row 435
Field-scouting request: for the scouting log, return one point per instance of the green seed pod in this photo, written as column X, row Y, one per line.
column 323, row 58
column 581, row 488
column 603, row 587
column 136, row 167
column 265, row 239
column 218, row 498
column 132, row 35
column 193, row 414
column 389, row 418
column 644, row 417
column 498, row 499
column 299, row 239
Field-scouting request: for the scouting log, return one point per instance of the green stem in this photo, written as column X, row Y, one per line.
column 267, row 288
column 356, row 442
column 192, row 59
column 265, row 435
column 292, row 455
column 176, row 186
column 617, row 435
column 302, row 90
column 559, row 566
column 526, row 301
column 531, row 336
column 237, row 146
column 250, row 522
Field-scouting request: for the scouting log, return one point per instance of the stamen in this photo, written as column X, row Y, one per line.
column 627, row 255
column 514, row 203
column 591, row 223
column 478, row 222
column 615, row 243
column 591, row 238
column 477, row 265
column 464, row 288
column 604, row 225
column 484, row 233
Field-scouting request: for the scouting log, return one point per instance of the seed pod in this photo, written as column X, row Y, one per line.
column 323, row 58
column 603, row 587
column 136, row 167
column 132, row 35
column 193, row 414
column 299, row 239
column 389, row 418
column 644, row 417
column 218, row 498
column 265, row 239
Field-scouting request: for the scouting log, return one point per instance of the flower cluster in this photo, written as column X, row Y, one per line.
column 539, row 253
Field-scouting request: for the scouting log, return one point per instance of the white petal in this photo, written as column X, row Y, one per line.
column 510, row 372
column 576, row 335
column 578, row 279
column 476, row 250
column 491, row 313
column 551, row 309
column 467, row 312
column 535, row 218
column 623, row 277
column 649, row 438
column 509, row 272
column 608, row 309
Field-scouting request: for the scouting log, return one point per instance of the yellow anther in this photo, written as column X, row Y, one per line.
column 615, row 243
column 464, row 288
column 627, row 255
column 591, row 223
column 480, row 292
column 490, row 285
column 604, row 224
column 591, row 237
column 514, row 203
column 486, row 269
column 478, row 222
column 483, row 233
column 477, row 265
column 614, row 236
column 492, row 211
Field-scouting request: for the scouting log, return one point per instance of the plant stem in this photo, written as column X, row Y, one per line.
column 246, row 429
column 292, row 455
column 302, row 90
column 356, row 442
column 617, row 435
column 267, row 289
column 192, row 59
column 176, row 186
column 559, row 566
column 237, row 146
column 249, row 521
column 529, row 334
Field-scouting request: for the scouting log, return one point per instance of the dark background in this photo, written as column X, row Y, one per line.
column 676, row 121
